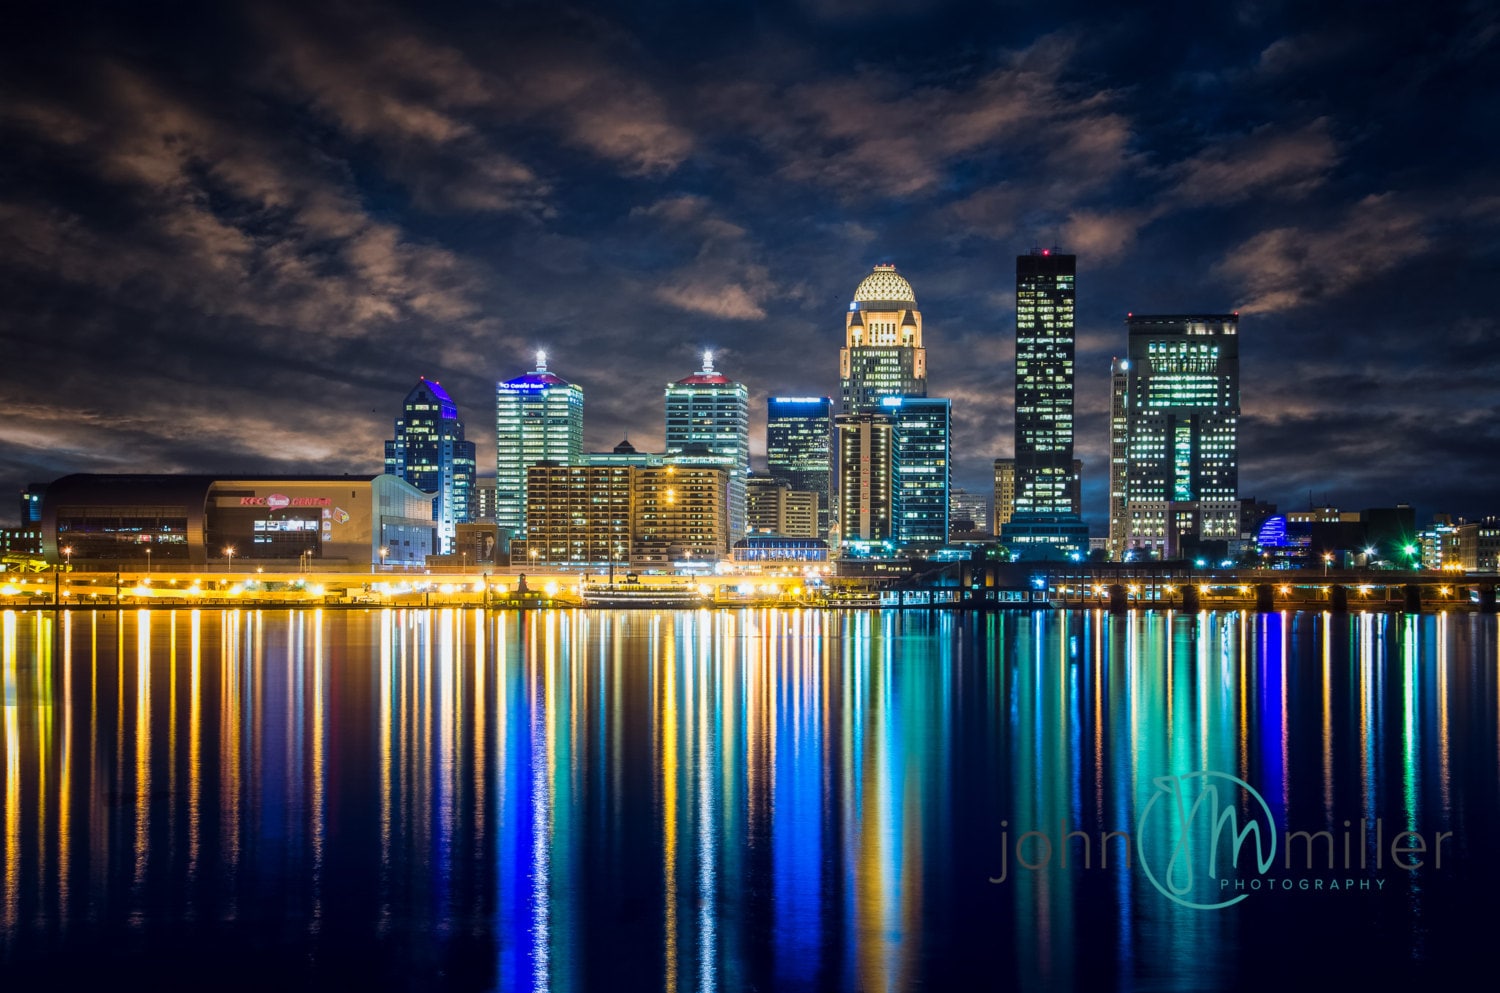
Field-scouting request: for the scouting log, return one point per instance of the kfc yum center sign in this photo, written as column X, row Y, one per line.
column 277, row 501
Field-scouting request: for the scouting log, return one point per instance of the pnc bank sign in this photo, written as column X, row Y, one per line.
column 277, row 501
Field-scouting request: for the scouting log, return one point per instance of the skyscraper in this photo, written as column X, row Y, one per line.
column 799, row 448
column 1118, row 456
column 1182, row 408
column 866, row 513
column 883, row 354
column 708, row 423
column 921, row 475
column 773, row 507
column 538, row 416
column 1005, row 492
column 1046, row 521
column 429, row 451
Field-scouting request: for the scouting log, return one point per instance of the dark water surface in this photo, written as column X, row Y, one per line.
column 755, row 800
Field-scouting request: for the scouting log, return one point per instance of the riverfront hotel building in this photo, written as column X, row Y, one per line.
column 651, row 515
column 132, row 521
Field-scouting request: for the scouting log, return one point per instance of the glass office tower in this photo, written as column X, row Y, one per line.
column 538, row 417
column 429, row 451
column 799, row 448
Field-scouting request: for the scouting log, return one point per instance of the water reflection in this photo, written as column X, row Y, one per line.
column 723, row 800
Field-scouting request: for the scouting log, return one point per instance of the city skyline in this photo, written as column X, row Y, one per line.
column 235, row 237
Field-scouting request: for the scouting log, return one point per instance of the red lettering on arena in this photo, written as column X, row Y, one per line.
column 276, row 501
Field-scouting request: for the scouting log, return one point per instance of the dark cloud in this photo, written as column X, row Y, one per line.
column 231, row 236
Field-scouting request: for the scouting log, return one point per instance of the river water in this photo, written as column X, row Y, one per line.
column 746, row 800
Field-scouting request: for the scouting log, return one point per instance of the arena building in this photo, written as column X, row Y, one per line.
column 130, row 521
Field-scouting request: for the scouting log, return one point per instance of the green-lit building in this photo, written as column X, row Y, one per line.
column 708, row 424
column 1181, row 405
column 538, row 418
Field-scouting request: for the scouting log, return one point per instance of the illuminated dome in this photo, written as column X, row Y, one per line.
column 885, row 285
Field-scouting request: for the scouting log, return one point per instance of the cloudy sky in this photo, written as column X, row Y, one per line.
column 232, row 235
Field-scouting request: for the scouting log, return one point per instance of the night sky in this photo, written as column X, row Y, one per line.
column 233, row 235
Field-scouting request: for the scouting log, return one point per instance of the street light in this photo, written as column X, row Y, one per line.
column 229, row 552
column 67, row 551
column 384, row 551
column 1327, row 562
column 148, row 559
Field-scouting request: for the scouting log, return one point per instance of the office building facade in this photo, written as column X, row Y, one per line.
column 1182, row 407
column 866, row 450
column 538, row 418
column 799, row 449
column 1045, row 521
column 921, row 467
column 578, row 515
column 773, row 507
column 429, row 451
column 883, row 355
column 968, row 514
column 1119, row 457
column 708, row 424
column 679, row 517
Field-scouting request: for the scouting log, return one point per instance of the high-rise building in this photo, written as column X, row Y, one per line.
column 968, row 513
column 773, row 507
column 708, row 414
column 921, row 475
column 1119, row 460
column 1182, row 409
column 429, row 451
column 883, row 355
column 1005, row 492
column 482, row 506
column 597, row 516
column 1044, row 381
column 866, row 451
column 576, row 515
column 1045, row 522
column 799, row 448
column 538, row 417
column 678, row 516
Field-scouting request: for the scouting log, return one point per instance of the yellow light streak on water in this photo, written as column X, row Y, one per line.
column 230, row 736
column 666, row 663
column 142, row 745
column 387, row 618
column 12, row 780
column 65, row 787
column 195, row 744
column 319, row 769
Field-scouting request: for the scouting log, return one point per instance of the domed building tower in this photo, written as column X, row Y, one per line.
column 882, row 354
